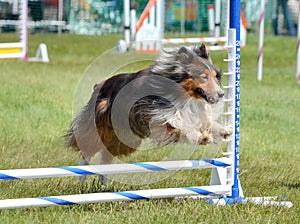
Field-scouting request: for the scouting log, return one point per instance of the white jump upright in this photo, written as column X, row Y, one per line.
column 261, row 41
column 20, row 49
column 127, row 22
column 218, row 18
column 298, row 47
column 224, row 188
column 149, row 28
column 211, row 20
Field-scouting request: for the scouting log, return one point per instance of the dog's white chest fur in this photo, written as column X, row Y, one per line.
column 192, row 117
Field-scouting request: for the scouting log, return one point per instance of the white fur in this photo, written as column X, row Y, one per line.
column 191, row 116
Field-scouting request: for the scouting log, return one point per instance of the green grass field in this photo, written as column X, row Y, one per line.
column 36, row 102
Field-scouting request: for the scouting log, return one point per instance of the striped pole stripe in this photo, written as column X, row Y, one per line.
column 145, row 14
column 11, row 50
column 220, row 190
column 193, row 40
column 209, row 48
column 198, row 40
column 216, row 48
column 11, row 45
column 33, row 24
column 16, row 174
column 261, row 40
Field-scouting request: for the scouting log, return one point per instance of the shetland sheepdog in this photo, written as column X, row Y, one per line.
column 177, row 99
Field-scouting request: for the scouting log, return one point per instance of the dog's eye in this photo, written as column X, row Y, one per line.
column 219, row 75
column 204, row 76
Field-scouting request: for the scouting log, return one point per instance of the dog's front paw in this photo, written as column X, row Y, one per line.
column 226, row 132
column 206, row 138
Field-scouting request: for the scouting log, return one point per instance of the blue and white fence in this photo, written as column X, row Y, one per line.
column 66, row 171
column 112, row 196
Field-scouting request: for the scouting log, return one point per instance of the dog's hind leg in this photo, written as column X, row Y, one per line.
column 105, row 157
column 83, row 161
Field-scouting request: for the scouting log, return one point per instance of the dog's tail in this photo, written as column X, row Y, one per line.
column 82, row 134
column 69, row 136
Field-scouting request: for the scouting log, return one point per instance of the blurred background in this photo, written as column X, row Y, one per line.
column 98, row 17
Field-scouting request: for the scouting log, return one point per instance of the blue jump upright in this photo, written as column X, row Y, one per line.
column 234, row 23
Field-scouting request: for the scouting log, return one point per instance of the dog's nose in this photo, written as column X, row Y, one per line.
column 220, row 94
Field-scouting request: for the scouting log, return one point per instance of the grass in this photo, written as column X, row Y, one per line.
column 36, row 107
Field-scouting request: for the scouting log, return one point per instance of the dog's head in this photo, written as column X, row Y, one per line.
column 204, row 79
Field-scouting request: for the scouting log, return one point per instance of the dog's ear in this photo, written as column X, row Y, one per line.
column 201, row 51
column 184, row 56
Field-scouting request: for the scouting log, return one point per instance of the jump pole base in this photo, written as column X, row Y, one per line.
column 264, row 201
column 41, row 54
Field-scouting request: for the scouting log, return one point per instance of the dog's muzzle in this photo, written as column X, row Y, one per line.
column 210, row 99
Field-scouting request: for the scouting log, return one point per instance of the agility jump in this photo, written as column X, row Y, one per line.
column 225, row 187
column 147, row 35
column 19, row 49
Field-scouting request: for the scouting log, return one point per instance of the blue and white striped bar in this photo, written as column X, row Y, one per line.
column 19, row 174
column 220, row 190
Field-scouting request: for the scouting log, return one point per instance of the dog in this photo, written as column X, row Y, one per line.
column 177, row 99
